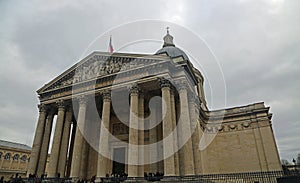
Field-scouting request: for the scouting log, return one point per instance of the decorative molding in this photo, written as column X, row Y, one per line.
column 226, row 127
column 246, row 124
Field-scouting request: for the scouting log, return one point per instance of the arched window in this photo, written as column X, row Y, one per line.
column 23, row 158
column 7, row 156
column 16, row 157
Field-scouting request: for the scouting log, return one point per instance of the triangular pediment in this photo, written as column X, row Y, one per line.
column 98, row 64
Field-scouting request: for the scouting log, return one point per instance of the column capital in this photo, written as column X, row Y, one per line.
column 61, row 105
column 42, row 108
column 82, row 100
column 51, row 110
column 106, row 95
column 69, row 108
column 181, row 85
column 134, row 89
column 164, row 83
column 141, row 93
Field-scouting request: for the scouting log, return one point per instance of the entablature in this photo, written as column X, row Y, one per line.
column 146, row 69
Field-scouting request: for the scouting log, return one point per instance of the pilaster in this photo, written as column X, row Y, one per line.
column 195, row 127
column 186, row 160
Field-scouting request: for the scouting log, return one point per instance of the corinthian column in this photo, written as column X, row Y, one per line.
column 65, row 143
column 133, row 133
column 141, row 136
column 37, row 142
column 174, row 126
column 45, row 146
column 103, row 142
column 53, row 162
column 169, row 165
column 77, row 151
column 186, row 157
column 153, row 139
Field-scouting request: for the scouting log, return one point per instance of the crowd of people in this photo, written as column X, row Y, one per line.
column 114, row 177
column 13, row 179
column 153, row 176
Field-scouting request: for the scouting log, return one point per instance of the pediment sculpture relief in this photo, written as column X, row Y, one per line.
column 94, row 68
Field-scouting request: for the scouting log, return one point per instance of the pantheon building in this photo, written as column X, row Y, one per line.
column 136, row 113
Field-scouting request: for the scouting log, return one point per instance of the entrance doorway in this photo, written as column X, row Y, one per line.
column 119, row 161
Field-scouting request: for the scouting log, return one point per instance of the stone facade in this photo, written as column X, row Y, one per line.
column 14, row 158
column 106, row 110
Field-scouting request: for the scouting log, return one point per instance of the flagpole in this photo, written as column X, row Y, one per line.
column 110, row 47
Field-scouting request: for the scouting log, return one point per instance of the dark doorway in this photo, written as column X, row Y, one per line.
column 119, row 161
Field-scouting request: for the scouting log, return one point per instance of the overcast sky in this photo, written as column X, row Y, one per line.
column 257, row 44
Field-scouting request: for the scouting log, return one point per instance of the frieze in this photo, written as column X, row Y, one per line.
column 225, row 127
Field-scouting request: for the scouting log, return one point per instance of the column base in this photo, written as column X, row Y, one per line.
column 98, row 179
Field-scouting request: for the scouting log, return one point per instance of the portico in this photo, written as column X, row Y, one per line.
column 136, row 113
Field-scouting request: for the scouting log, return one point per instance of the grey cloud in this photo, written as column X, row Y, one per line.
column 256, row 42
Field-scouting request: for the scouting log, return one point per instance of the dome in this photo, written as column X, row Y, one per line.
column 170, row 49
column 172, row 52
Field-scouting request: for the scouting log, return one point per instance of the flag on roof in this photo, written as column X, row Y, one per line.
column 111, row 49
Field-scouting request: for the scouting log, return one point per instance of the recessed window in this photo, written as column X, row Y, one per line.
column 23, row 158
column 16, row 157
column 7, row 156
column 1, row 155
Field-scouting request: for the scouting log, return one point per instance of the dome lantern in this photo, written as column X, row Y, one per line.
column 170, row 49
